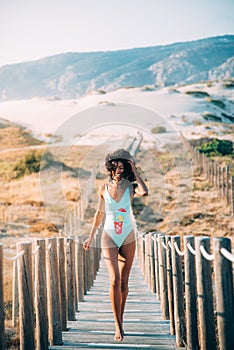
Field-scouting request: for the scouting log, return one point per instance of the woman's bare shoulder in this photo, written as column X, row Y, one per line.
column 101, row 189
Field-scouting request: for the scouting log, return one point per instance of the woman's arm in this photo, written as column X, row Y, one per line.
column 141, row 189
column 98, row 217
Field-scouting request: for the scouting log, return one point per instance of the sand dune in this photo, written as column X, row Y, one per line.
column 179, row 109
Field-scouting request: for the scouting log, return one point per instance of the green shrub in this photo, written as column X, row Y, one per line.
column 218, row 103
column 158, row 129
column 211, row 117
column 229, row 117
column 29, row 164
column 196, row 93
column 101, row 92
column 228, row 84
column 217, row 148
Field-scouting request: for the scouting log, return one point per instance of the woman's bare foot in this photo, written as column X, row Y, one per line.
column 119, row 333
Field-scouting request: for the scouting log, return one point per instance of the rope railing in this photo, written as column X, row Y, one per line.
column 194, row 287
column 227, row 254
column 205, row 254
column 16, row 257
column 178, row 251
column 190, row 248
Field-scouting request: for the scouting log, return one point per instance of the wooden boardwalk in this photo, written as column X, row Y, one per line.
column 143, row 324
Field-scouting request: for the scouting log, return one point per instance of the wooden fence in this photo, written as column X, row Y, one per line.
column 50, row 277
column 195, row 287
column 220, row 176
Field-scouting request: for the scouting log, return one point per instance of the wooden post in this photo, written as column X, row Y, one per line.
column 207, row 168
column 170, row 287
column 205, row 296
column 227, row 184
column 70, row 275
column 190, row 295
column 152, row 266
column 26, row 297
column 96, row 251
column 224, row 294
column 223, row 188
column 53, row 295
column 156, row 263
column 90, row 268
column 147, row 259
column 232, row 195
column 80, row 269
column 143, row 255
column 200, row 161
column 163, row 278
column 85, row 266
column 15, row 294
column 218, row 177
column 62, row 282
column 86, row 269
column 178, row 293
column 204, row 163
column 2, row 318
column 212, row 172
column 41, row 297
column 76, row 273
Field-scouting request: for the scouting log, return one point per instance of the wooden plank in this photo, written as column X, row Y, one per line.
column 143, row 323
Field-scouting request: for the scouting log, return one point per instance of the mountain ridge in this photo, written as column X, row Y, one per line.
column 72, row 75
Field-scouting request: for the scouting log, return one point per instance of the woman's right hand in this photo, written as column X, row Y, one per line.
column 87, row 243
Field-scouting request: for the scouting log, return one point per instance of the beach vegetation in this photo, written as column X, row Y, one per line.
column 211, row 117
column 159, row 129
column 218, row 103
column 217, row 147
column 197, row 93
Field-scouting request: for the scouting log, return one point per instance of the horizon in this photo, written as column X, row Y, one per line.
column 31, row 31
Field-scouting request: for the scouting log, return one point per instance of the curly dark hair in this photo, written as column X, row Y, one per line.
column 123, row 156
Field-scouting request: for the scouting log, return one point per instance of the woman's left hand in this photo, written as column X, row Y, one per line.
column 134, row 170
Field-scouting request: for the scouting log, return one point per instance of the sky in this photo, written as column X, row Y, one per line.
column 33, row 29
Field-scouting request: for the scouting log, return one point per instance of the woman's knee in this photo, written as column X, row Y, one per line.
column 115, row 280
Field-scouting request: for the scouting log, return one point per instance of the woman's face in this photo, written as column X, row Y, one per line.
column 117, row 174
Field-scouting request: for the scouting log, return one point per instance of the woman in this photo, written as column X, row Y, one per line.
column 118, row 237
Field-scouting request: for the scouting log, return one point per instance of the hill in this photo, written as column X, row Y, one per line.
column 72, row 75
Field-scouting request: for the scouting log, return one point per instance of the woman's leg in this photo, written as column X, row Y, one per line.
column 111, row 258
column 126, row 255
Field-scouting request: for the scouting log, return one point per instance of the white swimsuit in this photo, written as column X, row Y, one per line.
column 118, row 223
